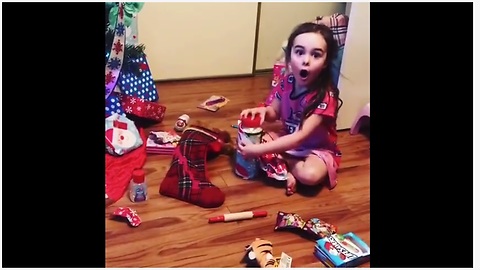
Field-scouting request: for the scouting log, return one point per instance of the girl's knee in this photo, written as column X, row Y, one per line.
column 312, row 176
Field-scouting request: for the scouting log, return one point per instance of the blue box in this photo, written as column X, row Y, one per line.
column 342, row 250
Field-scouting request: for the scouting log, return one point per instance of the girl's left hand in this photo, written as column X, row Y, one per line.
column 250, row 150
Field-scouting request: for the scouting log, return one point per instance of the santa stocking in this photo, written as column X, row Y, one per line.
column 186, row 179
column 119, row 169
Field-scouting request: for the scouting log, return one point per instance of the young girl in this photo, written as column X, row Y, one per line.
column 307, row 102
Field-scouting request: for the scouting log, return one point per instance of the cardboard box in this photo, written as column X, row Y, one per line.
column 338, row 250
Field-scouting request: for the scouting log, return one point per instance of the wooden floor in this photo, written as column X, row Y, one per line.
column 176, row 234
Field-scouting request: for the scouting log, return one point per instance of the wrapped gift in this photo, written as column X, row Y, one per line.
column 279, row 70
column 139, row 85
column 278, row 73
column 113, row 105
column 142, row 108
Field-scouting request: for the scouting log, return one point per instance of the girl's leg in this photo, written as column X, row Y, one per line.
column 312, row 171
column 315, row 169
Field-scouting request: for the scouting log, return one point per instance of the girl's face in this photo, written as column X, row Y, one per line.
column 308, row 55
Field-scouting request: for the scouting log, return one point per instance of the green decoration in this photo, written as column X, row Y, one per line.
column 130, row 10
column 132, row 52
column 109, row 5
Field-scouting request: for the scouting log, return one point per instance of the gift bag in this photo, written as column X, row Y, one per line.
column 121, row 135
column 139, row 84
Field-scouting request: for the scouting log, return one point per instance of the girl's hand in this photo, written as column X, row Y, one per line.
column 261, row 111
column 250, row 150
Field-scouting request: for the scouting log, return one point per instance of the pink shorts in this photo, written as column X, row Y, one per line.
column 332, row 161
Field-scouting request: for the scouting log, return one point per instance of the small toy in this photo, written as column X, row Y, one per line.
column 338, row 250
column 237, row 124
column 238, row 216
column 259, row 254
column 182, row 122
column 314, row 227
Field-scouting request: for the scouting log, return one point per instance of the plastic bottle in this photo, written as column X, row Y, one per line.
column 181, row 122
column 249, row 132
column 138, row 186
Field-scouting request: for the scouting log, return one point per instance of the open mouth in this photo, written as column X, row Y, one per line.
column 303, row 73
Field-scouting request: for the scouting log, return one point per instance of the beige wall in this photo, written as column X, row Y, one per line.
column 188, row 40
column 277, row 20
column 354, row 83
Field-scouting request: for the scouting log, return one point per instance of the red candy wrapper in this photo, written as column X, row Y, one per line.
column 128, row 213
column 314, row 227
column 319, row 228
column 289, row 221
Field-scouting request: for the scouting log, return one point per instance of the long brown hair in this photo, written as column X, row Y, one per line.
column 324, row 82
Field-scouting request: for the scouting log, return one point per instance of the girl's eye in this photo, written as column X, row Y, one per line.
column 317, row 55
column 299, row 52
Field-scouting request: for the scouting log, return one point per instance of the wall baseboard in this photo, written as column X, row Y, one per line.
column 263, row 71
column 214, row 77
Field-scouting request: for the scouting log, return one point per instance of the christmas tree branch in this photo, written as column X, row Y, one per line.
column 132, row 53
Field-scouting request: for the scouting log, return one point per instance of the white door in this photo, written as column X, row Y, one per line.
column 354, row 81
column 277, row 20
column 192, row 40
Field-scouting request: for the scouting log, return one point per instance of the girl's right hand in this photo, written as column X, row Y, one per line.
column 261, row 111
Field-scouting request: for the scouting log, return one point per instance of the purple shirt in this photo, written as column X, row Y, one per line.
column 292, row 106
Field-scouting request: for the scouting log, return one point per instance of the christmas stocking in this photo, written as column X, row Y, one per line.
column 119, row 170
column 187, row 178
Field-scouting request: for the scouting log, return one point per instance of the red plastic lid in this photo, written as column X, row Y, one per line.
column 248, row 122
column 138, row 176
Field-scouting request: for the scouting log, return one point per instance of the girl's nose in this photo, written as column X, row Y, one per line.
column 306, row 60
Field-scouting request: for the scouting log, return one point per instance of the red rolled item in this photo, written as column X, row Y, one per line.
column 237, row 216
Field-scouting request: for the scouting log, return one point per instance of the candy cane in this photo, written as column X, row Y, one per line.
column 115, row 59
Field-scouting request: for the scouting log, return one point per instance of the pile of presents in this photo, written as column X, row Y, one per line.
column 131, row 99
column 128, row 92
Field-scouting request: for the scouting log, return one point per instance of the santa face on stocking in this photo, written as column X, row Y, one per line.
column 122, row 137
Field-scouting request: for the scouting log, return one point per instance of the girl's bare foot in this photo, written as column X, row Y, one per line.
column 291, row 184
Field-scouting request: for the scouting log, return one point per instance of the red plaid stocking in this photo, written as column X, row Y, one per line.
column 186, row 179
